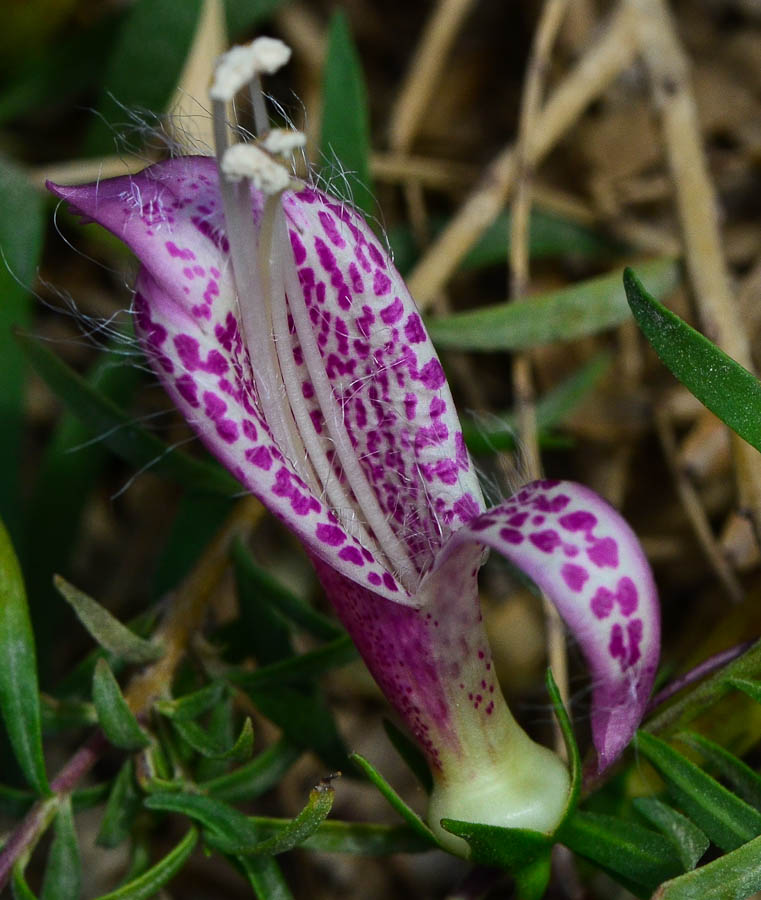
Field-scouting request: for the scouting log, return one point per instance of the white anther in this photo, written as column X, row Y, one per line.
column 283, row 141
column 249, row 161
column 236, row 68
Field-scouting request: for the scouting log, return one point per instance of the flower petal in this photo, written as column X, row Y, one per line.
column 195, row 346
column 587, row 560
column 396, row 404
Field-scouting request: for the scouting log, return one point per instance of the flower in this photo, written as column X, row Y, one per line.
column 281, row 330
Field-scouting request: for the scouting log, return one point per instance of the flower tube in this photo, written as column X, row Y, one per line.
column 281, row 330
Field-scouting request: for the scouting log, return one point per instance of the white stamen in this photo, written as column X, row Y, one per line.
column 249, row 161
column 283, row 141
column 238, row 66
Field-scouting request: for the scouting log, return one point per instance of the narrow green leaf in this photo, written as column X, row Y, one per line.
column 585, row 308
column 19, row 696
column 269, row 590
column 362, row 838
column 152, row 30
column 305, row 718
column 394, row 800
column 498, row 432
column 206, row 744
column 124, row 803
column 14, row 802
column 643, row 857
column 106, row 629
column 734, row 876
column 116, row 718
column 63, row 875
column 265, row 877
column 751, row 688
column 22, row 224
column 505, row 848
column 219, row 818
column 572, row 748
column 687, row 838
column 63, row 715
column 191, row 706
column 242, row 15
column 743, row 779
column 254, row 778
column 410, row 753
column 723, row 385
column 19, row 887
column 532, row 880
column 88, row 797
column 726, row 819
column 310, row 665
column 119, row 431
column 151, row 882
column 293, row 834
column 345, row 137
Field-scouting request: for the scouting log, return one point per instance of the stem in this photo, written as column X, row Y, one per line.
column 184, row 617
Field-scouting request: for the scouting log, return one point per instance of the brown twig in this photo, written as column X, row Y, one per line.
column 696, row 200
column 602, row 63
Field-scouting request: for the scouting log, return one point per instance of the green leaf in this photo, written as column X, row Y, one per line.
column 106, row 629
column 410, row 753
column 219, row 818
column 293, row 834
column 726, row 819
column 265, row 877
column 254, row 778
column 641, row 856
column 735, row 876
column 116, row 718
column 305, row 718
column 63, row 715
column 583, row 309
column 206, row 744
column 345, row 137
column 504, row 848
column 153, row 30
column 21, row 890
column 362, row 838
column 118, row 429
column 193, row 705
column 124, row 803
column 22, row 224
column 723, row 385
column 751, row 688
column 571, row 746
column 259, row 583
column 151, row 882
column 310, row 665
column 497, row 433
column 19, row 695
column 63, row 875
column 394, row 800
column 743, row 779
column 687, row 838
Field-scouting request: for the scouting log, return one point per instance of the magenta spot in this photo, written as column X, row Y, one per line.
column 602, row 603
column 570, row 551
column 432, row 375
column 249, row 429
column 330, row 534
column 227, row 430
column 381, row 283
column 187, row 389
column 174, row 251
column 578, row 521
column 634, row 631
column 214, row 406
column 546, row 541
column 537, row 520
column 299, row 250
column 626, row 595
column 413, row 329
column 329, row 226
column 518, row 519
column 352, row 555
column 510, row 535
column 393, row 312
column 574, row 576
column 388, row 580
column 374, row 578
column 604, row 553
column 616, row 646
column 551, row 504
column 260, row 457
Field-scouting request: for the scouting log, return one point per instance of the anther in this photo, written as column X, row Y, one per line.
column 283, row 141
column 241, row 64
column 249, row 161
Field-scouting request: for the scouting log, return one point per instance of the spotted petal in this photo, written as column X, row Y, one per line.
column 587, row 560
column 376, row 357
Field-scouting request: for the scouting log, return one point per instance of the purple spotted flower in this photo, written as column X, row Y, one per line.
column 281, row 330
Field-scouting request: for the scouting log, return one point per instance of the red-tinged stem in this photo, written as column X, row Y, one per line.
column 30, row 829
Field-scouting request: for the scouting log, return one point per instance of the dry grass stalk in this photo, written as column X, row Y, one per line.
column 696, row 200
column 604, row 61
column 522, row 378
